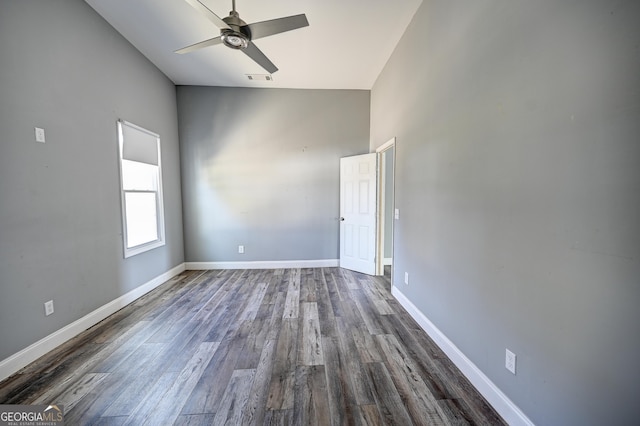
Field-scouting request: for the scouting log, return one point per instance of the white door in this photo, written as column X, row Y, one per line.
column 358, row 213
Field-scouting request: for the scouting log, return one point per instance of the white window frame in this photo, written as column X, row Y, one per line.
column 160, row 241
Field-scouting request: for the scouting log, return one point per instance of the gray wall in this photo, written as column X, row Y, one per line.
column 518, row 184
column 65, row 69
column 260, row 168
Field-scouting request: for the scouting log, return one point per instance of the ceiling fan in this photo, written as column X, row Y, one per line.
column 237, row 34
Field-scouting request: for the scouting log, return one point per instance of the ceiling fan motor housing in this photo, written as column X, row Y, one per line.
column 237, row 36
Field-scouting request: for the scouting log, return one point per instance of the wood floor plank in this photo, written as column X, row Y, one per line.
column 365, row 345
column 368, row 312
column 349, row 279
column 419, row 401
column 178, row 352
column 286, row 346
column 360, row 380
column 310, row 343
column 375, row 289
column 468, row 401
column 207, row 393
column 179, row 390
column 237, row 300
column 308, row 286
column 68, row 374
column 141, row 356
column 426, row 368
column 342, row 401
column 283, row 375
column 325, row 309
column 368, row 415
column 151, row 398
column 451, row 411
column 390, row 405
column 335, row 297
column 132, row 391
column 273, row 281
column 253, row 305
column 111, row 421
column 223, row 320
column 123, row 347
column 254, row 410
column 383, row 307
column 82, row 387
column 89, row 409
column 250, row 354
column 276, row 316
column 147, row 306
column 279, row 418
column 226, row 284
column 234, row 398
column 194, row 420
column 311, row 403
column 291, row 305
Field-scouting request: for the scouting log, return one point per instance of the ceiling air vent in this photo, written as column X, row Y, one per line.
column 260, row 77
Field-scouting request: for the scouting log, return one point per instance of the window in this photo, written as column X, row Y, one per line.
column 140, row 188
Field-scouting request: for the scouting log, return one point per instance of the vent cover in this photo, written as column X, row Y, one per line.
column 260, row 77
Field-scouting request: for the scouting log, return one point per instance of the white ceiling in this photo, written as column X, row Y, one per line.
column 345, row 46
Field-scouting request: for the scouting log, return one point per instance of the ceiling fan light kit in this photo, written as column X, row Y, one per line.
column 234, row 39
column 237, row 34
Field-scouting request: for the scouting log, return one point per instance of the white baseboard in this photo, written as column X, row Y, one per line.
column 387, row 261
column 275, row 264
column 498, row 400
column 31, row 353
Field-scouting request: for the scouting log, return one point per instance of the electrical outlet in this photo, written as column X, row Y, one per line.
column 510, row 361
column 406, row 278
column 397, row 214
column 48, row 308
column 241, row 249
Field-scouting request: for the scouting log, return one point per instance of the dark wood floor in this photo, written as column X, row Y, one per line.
column 288, row 346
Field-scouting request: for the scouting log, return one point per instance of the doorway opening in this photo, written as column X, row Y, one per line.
column 386, row 208
column 367, row 211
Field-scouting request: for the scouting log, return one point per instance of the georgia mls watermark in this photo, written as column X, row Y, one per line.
column 31, row 415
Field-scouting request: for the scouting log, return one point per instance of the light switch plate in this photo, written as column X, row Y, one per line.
column 510, row 361
column 39, row 135
column 48, row 307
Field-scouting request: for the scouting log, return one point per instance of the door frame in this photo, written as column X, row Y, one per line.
column 382, row 219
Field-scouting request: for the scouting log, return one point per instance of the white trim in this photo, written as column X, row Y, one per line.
column 387, row 261
column 31, row 353
column 380, row 193
column 160, row 240
column 273, row 264
column 388, row 144
column 498, row 400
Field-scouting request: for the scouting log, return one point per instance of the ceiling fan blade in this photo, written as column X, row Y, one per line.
column 256, row 54
column 276, row 26
column 200, row 45
column 218, row 22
